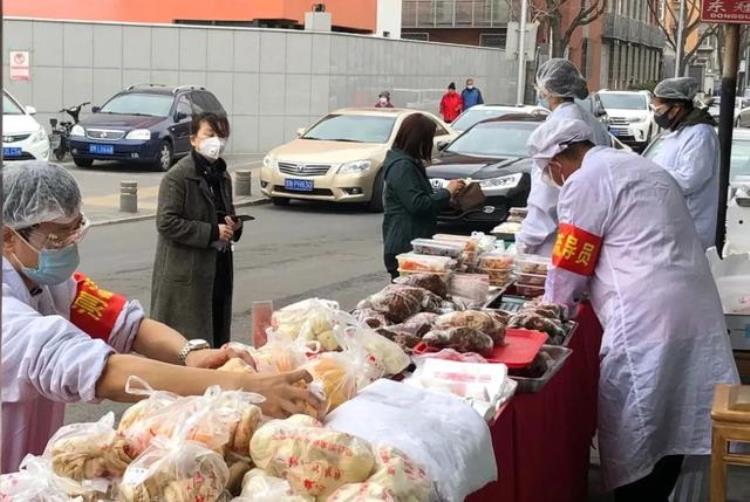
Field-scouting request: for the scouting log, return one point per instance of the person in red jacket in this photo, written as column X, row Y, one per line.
column 451, row 104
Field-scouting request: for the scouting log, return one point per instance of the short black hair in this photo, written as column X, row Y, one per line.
column 452, row 85
column 415, row 136
column 218, row 122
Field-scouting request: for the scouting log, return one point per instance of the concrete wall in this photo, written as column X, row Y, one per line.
column 270, row 81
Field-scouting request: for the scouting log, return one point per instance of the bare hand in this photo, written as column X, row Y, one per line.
column 225, row 232
column 283, row 397
column 235, row 225
column 455, row 186
column 215, row 358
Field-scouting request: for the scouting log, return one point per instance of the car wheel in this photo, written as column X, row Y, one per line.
column 280, row 201
column 78, row 161
column 376, row 201
column 165, row 156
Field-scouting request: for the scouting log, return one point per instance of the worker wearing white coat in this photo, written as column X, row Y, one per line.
column 627, row 239
column 66, row 340
column 558, row 83
column 689, row 151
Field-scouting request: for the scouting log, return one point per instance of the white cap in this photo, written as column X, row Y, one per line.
column 554, row 136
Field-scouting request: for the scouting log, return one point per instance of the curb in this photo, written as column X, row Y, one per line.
column 143, row 217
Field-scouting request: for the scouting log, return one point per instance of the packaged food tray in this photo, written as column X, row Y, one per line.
column 529, row 291
column 413, row 262
column 496, row 260
column 532, row 385
column 532, row 264
column 470, row 243
column 531, row 279
column 437, row 248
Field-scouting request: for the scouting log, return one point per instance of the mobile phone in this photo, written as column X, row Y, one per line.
column 241, row 217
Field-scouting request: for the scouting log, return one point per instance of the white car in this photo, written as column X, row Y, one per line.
column 23, row 137
column 630, row 118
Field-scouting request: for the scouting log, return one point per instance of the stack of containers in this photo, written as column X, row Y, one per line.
column 531, row 274
column 470, row 248
column 497, row 265
column 412, row 263
column 512, row 225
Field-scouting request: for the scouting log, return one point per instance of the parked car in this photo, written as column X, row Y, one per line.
column 145, row 124
column 479, row 113
column 630, row 117
column 23, row 137
column 714, row 106
column 339, row 158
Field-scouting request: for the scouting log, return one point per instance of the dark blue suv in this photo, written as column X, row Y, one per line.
column 145, row 123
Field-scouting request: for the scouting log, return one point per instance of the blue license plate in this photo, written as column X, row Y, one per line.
column 102, row 149
column 12, row 151
column 299, row 185
column 616, row 132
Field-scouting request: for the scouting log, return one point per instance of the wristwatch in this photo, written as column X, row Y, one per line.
column 191, row 346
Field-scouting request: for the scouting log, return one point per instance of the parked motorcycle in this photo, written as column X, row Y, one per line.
column 58, row 138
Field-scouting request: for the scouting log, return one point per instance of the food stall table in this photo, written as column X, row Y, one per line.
column 542, row 440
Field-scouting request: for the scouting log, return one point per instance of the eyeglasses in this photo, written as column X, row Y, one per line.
column 659, row 110
column 63, row 239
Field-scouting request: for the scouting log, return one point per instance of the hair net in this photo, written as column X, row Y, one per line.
column 681, row 88
column 554, row 136
column 36, row 192
column 560, row 78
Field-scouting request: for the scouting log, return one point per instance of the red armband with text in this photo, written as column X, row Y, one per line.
column 576, row 249
column 95, row 310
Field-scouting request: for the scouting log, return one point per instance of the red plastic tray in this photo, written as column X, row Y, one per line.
column 520, row 349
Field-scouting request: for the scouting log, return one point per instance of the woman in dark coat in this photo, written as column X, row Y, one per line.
column 191, row 290
column 410, row 205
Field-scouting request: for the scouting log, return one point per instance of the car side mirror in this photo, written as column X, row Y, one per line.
column 180, row 116
column 442, row 145
column 96, row 109
column 599, row 110
column 31, row 110
column 300, row 132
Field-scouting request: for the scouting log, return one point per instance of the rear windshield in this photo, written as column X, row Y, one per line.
column 155, row 105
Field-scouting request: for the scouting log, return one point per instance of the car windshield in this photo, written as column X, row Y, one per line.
column 155, row 105
column 622, row 101
column 494, row 140
column 10, row 107
column 739, row 165
column 472, row 116
column 352, row 128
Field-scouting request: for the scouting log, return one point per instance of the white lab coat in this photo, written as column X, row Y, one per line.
column 47, row 361
column 691, row 156
column 537, row 235
column 665, row 343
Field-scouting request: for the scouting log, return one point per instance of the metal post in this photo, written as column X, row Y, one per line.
column 243, row 184
column 129, row 196
column 726, row 125
column 520, row 94
column 680, row 29
column 747, row 69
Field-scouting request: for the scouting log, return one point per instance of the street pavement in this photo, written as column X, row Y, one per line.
column 100, row 187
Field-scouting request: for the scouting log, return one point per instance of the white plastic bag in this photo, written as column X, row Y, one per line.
column 259, row 486
column 309, row 320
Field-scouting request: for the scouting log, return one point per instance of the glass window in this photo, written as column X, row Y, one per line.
column 150, row 104
column 352, row 128
column 184, row 106
column 10, row 107
column 206, row 102
column 739, row 165
column 472, row 116
column 495, row 139
column 623, row 101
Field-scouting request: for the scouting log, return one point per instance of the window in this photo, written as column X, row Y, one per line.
column 496, row 40
column 440, row 130
column 495, row 139
column 206, row 102
column 184, row 107
column 423, row 37
column 10, row 107
column 352, row 129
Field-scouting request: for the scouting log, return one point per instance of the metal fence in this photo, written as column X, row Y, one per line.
column 455, row 13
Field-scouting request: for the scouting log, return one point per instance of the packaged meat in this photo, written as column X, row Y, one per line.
column 174, row 470
column 89, row 450
column 532, row 264
column 536, row 322
column 461, row 339
column 437, row 248
column 433, row 283
column 425, row 263
column 259, row 486
column 314, row 460
column 400, row 335
column 496, row 260
column 470, row 243
column 477, row 320
column 551, row 310
column 420, row 324
column 529, row 291
column 370, row 317
column 397, row 302
column 531, row 279
column 473, row 287
column 396, row 478
column 309, row 319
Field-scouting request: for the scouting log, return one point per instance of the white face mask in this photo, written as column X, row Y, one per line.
column 212, row 148
column 470, row 86
column 549, row 180
column 383, row 101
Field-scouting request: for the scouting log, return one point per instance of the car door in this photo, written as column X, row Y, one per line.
column 181, row 128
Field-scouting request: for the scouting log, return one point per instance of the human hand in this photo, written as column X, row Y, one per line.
column 225, row 232
column 455, row 186
column 235, row 225
column 283, row 397
column 215, row 358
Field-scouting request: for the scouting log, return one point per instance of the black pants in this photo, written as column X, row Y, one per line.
column 391, row 264
column 222, row 299
column 657, row 486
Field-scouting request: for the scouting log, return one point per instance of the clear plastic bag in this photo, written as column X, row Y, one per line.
column 336, row 374
column 89, row 450
column 433, row 283
column 175, row 470
column 397, row 302
column 482, row 321
column 259, row 486
column 314, row 460
column 309, row 320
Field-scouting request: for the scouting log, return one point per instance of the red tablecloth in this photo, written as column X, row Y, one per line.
column 542, row 440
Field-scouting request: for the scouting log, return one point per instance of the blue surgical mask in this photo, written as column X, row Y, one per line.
column 55, row 266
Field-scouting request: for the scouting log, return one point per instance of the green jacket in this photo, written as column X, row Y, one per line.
column 410, row 206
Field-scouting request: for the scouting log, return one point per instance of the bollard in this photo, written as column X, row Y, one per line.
column 129, row 196
column 243, row 183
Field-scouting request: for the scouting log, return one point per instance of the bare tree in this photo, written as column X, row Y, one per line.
column 669, row 26
column 549, row 14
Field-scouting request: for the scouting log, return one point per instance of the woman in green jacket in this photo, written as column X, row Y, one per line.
column 410, row 204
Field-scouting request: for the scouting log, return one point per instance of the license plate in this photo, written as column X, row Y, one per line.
column 12, row 151
column 102, row 149
column 437, row 183
column 616, row 132
column 299, row 185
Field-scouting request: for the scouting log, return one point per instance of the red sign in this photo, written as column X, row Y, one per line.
column 726, row 11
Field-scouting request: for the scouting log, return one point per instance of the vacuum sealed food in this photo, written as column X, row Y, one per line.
column 370, row 317
column 536, row 322
column 478, row 320
column 420, row 323
column 433, row 283
column 461, row 339
column 400, row 335
column 551, row 310
column 397, row 302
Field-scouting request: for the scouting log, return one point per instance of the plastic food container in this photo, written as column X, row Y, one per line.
column 497, row 260
column 531, row 279
column 470, row 243
column 532, row 264
column 529, row 291
column 445, row 276
column 497, row 277
column 474, row 287
column 508, row 228
column 412, row 262
column 437, row 248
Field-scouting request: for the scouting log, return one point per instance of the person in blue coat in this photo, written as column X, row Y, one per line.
column 471, row 95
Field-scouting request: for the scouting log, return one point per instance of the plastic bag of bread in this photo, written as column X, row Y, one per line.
column 337, row 374
column 397, row 302
column 461, row 339
column 431, row 282
column 396, row 478
column 474, row 319
column 174, row 470
column 314, row 460
column 259, row 486
column 89, row 450
column 309, row 320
